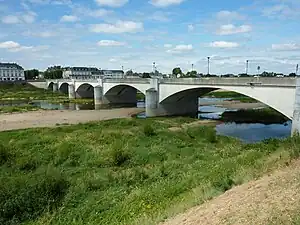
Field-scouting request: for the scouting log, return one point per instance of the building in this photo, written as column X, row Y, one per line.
column 83, row 73
column 11, row 72
column 112, row 73
column 86, row 73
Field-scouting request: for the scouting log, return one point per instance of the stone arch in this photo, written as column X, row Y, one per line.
column 85, row 90
column 50, row 86
column 122, row 94
column 64, row 88
column 266, row 95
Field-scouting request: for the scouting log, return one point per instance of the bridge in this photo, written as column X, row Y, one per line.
column 180, row 96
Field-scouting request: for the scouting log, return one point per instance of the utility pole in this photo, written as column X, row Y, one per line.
column 297, row 68
column 208, row 61
column 123, row 71
column 247, row 66
column 192, row 67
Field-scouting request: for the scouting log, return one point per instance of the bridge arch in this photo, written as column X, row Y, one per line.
column 85, row 90
column 64, row 88
column 122, row 94
column 50, row 86
column 186, row 97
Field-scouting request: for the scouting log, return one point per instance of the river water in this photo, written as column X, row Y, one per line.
column 248, row 133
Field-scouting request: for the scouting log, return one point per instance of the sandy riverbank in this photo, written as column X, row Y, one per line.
column 53, row 118
column 234, row 104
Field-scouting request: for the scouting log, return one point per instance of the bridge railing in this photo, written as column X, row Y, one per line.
column 128, row 80
column 232, row 81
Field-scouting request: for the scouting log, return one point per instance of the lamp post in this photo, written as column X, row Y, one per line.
column 192, row 67
column 247, row 66
column 208, row 61
column 297, row 68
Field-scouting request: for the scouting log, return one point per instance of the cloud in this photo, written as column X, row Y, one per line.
column 28, row 17
column 69, row 18
column 232, row 29
column 167, row 45
column 165, row 3
column 229, row 15
column 286, row 47
column 118, row 27
column 13, row 46
column 179, row 49
column 109, row 43
column 111, row 3
column 53, row 2
column 191, row 27
column 99, row 12
column 42, row 34
column 160, row 16
column 224, row 44
column 281, row 11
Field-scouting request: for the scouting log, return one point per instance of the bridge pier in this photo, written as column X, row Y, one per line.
column 55, row 87
column 98, row 96
column 296, row 115
column 71, row 90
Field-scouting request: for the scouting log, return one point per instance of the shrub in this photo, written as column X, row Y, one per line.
column 212, row 136
column 25, row 198
column 119, row 156
column 224, row 184
column 5, row 155
column 149, row 130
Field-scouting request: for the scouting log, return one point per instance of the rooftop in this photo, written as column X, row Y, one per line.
column 11, row 65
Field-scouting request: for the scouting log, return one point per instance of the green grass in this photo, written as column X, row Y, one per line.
column 23, row 108
column 123, row 171
column 265, row 116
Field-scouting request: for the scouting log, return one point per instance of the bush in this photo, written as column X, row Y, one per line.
column 119, row 156
column 25, row 198
column 5, row 155
column 212, row 136
column 149, row 130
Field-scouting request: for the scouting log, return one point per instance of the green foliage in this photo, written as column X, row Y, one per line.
column 177, row 71
column 25, row 198
column 112, row 173
column 31, row 74
column 149, row 130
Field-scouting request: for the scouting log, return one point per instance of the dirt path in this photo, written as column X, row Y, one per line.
column 272, row 199
column 52, row 118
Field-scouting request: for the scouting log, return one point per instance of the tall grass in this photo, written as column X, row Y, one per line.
column 112, row 172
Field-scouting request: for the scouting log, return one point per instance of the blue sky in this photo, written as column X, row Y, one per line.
column 110, row 34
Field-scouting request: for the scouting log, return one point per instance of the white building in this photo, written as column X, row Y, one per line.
column 83, row 73
column 11, row 72
column 86, row 73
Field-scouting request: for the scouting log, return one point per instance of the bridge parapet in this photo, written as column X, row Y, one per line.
column 280, row 82
column 128, row 80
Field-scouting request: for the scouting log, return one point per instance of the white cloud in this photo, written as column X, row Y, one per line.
column 9, row 45
column 229, row 15
column 165, row 3
column 112, row 60
column 69, row 18
column 286, row 47
column 100, row 13
column 118, row 27
column 224, row 44
column 111, row 3
column 28, row 17
column 160, row 16
column 181, row 49
column 42, row 34
column 53, row 2
column 167, row 45
column 232, row 29
column 107, row 43
column 191, row 27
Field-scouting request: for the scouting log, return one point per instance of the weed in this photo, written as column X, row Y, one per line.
column 149, row 130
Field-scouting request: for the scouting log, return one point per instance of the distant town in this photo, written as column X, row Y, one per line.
column 14, row 72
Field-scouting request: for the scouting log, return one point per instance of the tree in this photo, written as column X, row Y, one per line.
column 146, row 75
column 129, row 73
column 54, row 72
column 31, row 74
column 292, row 75
column 177, row 71
column 192, row 74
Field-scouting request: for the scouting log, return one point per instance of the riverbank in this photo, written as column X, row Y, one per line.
column 60, row 117
column 125, row 171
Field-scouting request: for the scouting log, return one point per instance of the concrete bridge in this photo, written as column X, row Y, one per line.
column 180, row 96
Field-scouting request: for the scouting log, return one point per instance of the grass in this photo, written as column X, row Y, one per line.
column 230, row 94
column 23, row 108
column 264, row 116
column 124, row 171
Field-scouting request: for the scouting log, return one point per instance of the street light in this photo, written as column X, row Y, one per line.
column 208, row 58
column 297, row 68
column 192, row 67
column 247, row 66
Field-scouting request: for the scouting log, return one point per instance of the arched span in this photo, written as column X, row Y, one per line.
column 122, row 94
column 50, row 86
column 85, row 91
column 64, row 88
column 270, row 96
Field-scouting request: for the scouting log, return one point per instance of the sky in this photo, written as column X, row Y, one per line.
column 111, row 34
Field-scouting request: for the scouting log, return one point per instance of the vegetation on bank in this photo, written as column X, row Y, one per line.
column 234, row 96
column 23, row 108
column 264, row 116
column 124, row 171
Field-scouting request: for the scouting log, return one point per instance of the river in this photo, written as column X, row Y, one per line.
column 248, row 133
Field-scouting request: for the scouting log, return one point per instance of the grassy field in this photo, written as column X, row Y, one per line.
column 23, row 108
column 124, row 171
column 230, row 94
column 264, row 116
